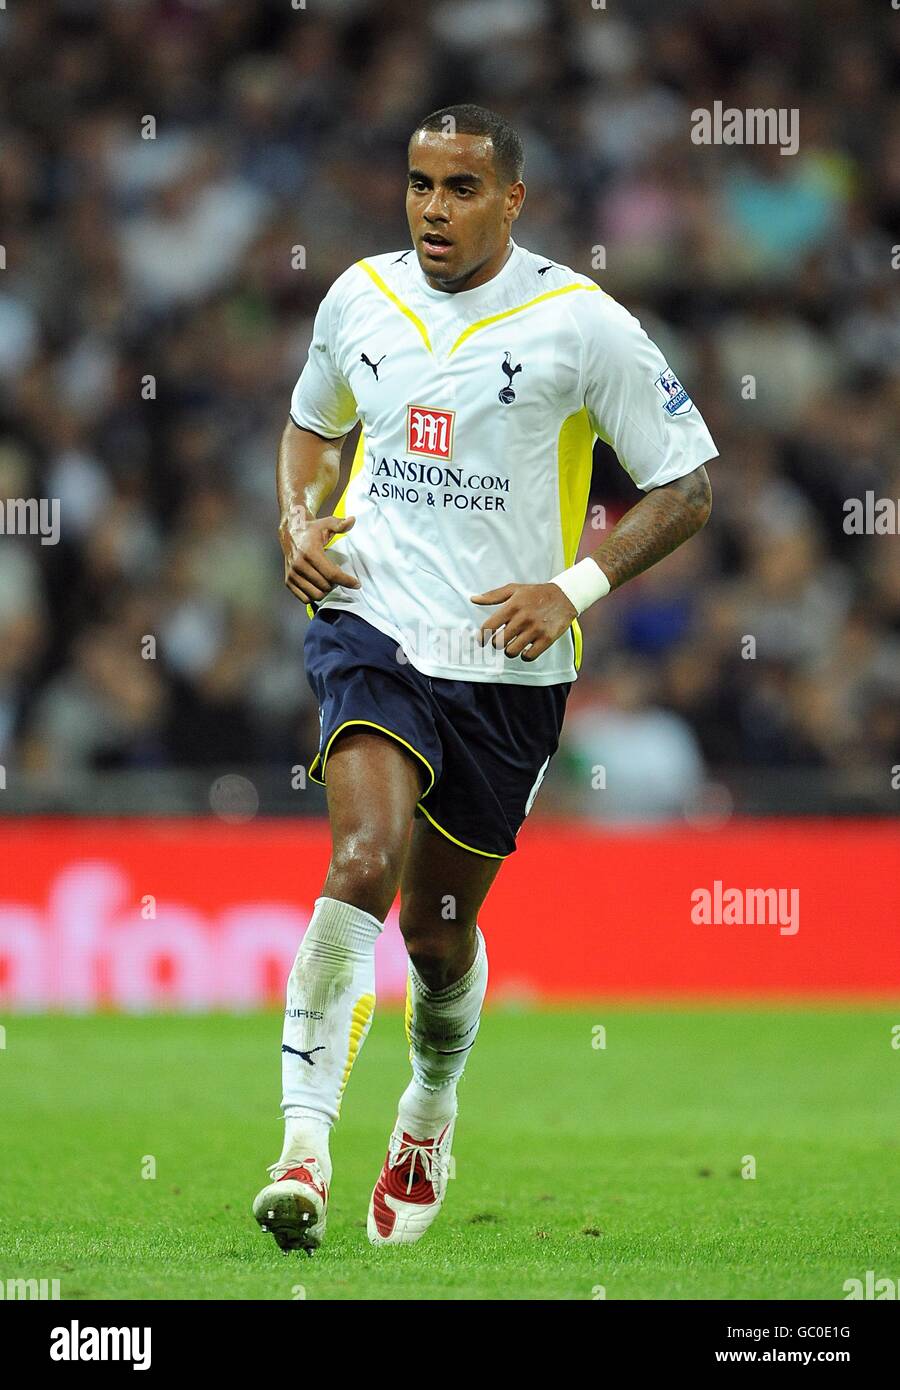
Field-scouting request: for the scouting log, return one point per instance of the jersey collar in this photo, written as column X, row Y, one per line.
column 474, row 298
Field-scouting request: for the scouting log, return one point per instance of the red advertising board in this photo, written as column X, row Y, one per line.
column 188, row 914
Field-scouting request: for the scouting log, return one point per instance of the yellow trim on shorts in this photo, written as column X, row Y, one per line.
column 487, row 854
column 397, row 302
column 370, row 723
column 507, row 313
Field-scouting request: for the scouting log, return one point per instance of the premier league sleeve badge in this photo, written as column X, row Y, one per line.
column 676, row 400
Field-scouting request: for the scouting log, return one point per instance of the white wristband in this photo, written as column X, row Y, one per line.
column 583, row 584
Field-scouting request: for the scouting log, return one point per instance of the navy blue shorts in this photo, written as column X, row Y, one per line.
column 483, row 746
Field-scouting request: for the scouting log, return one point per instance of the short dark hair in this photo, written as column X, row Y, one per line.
column 509, row 156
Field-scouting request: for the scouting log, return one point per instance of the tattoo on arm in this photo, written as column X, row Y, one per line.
column 658, row 524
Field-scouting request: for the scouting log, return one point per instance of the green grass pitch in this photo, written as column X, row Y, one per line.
column 577, row 1167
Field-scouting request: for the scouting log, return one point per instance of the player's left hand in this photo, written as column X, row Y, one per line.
column 532, row 616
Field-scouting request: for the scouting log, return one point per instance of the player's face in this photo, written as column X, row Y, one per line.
column 459, row 211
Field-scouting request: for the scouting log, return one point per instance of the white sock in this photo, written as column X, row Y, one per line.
column 441, row 1026
column 422, row 1112
column 330, row 1003
column 306, row 1136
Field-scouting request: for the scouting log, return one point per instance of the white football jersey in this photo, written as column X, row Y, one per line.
column 479, row 411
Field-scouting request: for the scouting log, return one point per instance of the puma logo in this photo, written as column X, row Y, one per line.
column 307, row 1056
column 373, row 365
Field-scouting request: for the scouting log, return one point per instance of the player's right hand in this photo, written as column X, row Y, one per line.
column 308, row 572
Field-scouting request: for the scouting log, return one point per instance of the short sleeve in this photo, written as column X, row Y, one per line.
column 634, row 399
column 322, row 400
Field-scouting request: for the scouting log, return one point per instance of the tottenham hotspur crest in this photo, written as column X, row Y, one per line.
column 508, row 395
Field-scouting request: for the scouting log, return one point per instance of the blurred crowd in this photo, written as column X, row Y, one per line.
column 181, row 180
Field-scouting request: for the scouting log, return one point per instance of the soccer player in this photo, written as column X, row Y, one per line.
column 444, row 597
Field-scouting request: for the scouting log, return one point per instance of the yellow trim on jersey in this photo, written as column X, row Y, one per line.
column 473, row 327
column 575, row 449
column 370, row 723
column 577, row 643
column 355, row 468
column 340, row 508
column 488, row 854
column 396, row 301
column 495, row 318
